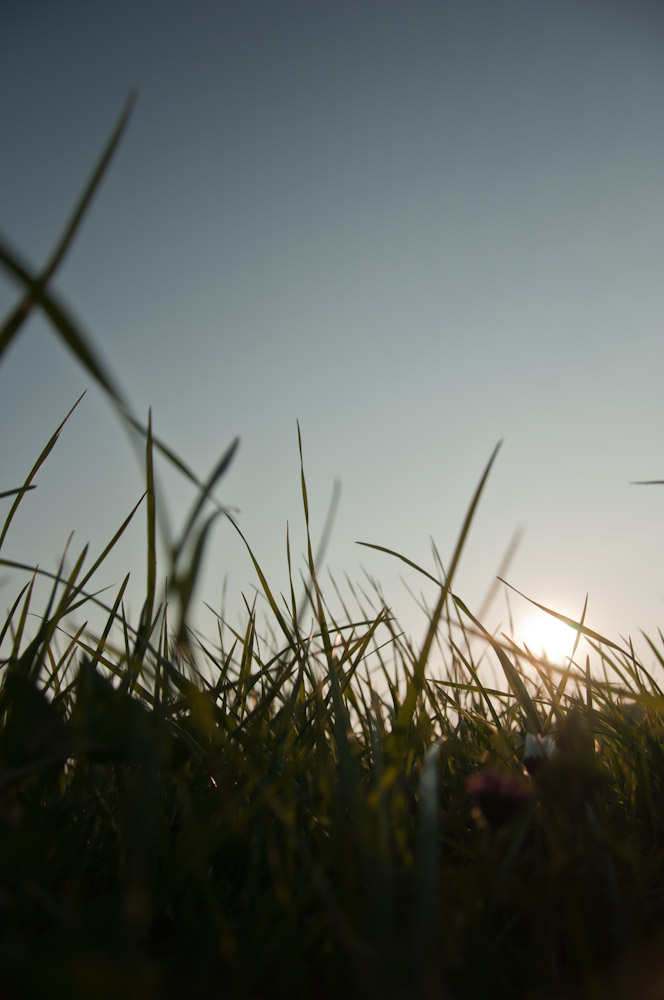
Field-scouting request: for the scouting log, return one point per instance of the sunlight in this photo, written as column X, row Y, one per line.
column 547, row 637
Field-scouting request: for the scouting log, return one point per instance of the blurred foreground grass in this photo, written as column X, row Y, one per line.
column 310, row 810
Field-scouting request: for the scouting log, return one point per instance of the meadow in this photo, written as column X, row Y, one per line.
column 309, row 811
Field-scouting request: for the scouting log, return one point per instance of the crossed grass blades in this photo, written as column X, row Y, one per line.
column 309, row 806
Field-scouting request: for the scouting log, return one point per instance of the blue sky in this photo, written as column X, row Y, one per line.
column 417, row 228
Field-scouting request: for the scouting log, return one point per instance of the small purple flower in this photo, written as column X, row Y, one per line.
column 499, row 796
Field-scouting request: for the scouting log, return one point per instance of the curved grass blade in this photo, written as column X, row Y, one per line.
column 12, row 612
column 264, row 584
column 101, row 644
column 185, row 584
column 34, row 470
column 578, row 626
column 405, row 559
column 99, row 560
column 416, row 683
column 17, row 318
column 69, row 331
column 510, row 671
column 205, row 491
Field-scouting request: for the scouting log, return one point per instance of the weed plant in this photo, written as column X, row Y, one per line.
column 310, row 811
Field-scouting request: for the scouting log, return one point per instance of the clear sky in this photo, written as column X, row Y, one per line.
column 416, row 227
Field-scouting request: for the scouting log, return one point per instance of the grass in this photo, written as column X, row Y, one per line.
column 297, row 810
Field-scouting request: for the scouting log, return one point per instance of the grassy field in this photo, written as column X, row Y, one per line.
column 306, row 812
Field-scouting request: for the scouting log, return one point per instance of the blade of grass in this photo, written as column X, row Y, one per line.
column 34, row 470
column 415, row 685
column 12, row 612
column 18, row 635
column 205, row 493
column 581, row 629
column 17, row 318
column 510, row 671
column 11, row 493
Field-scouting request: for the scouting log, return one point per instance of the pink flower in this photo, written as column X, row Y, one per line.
column 499, row 796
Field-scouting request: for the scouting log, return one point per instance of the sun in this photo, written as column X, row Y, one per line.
column 547, row 637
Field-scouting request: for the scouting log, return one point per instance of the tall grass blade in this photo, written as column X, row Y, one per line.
column 108, row 548
column 69, row 331
column 205, row 494
column 34, row 470
column 186, row 581
column 510, row 671
column 146, row 622
column 36, row 287
column 577, row 626
column 416, row 683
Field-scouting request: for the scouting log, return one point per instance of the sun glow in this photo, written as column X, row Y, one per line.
column 547, row 637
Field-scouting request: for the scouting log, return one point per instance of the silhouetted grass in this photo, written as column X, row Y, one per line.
column 310, row 811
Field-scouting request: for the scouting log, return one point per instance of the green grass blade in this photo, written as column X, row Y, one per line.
column 34, row 470
column 20, row 489
column 510, row 671
column 146, row 623
column 416, row 683
column 114, row 540
column 34, row 295
column 577, row 626
column 205, row 493
column 101, row 643
column 405, row 559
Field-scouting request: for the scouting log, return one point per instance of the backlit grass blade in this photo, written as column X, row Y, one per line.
column 108, row 548
column 57, row 578
column 510, row 671
column 325, row 536
column 101, row 643
column 86, row 354
column 145, row 625
column 577, row 626
column 205, row 493
column 186, row 580
column 660, row 660
column 478, row 686
column 18, row 634
column 30, row 661
column 34, row 295
column 560, row 690
column 151, row 526
column 415, row 685
column 69, row 331
column 341, row 719
column 10, row 616
column 405, row 559
column 34, row 470
column 264, row 584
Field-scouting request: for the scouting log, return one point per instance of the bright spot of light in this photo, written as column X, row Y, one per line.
column 547, row 637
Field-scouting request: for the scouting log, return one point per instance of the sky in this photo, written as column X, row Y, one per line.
column 417, row 228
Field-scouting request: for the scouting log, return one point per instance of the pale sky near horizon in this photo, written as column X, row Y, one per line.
column 417, row 228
